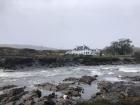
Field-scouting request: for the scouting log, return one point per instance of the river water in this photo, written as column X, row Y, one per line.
column 30, row 77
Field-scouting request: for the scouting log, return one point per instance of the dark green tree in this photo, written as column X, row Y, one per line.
column 120, row 47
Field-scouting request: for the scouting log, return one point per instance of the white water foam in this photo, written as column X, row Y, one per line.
column 58, row 74
column 131, row 70
column 112, row 79
column 14, row 74
column 25, row 74
column 110, row 73
column 109, row 68
column 96, row 73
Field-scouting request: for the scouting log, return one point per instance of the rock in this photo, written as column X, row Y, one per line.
column 29, row 102
column 7, row 87
column 119, row 91
column 12, row 95
column 51, row 96
column 11, row 103
column 47, row 86
column 74, row 91
column 84, row 79
column 71, row 79
column 30, row 98
column 32, row 94
column 135, row 78
column 54, row 88
column 38, row 93
column 63, row 86
column 14, row 91
column 50, row 102
column 65, row 102
column 87, row 79
column 18, row 96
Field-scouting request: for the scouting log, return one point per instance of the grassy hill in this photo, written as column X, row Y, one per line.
column 21, row 46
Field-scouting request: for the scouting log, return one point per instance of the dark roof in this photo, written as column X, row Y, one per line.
column 82, row 48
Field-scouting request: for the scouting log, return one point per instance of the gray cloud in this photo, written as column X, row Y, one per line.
column 66, row 23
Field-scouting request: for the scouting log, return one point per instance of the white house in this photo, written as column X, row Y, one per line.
column 83, row 50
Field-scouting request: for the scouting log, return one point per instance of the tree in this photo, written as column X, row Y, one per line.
column 120, row 47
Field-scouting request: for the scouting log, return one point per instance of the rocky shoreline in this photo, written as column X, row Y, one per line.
column 15, row 59
column 19, row 63
column 70, row 90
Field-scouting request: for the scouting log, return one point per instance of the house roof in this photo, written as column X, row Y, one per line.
column 82, row 48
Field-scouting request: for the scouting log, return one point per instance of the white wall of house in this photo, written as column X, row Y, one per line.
column 82, row 52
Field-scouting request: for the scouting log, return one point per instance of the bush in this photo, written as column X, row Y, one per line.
column 137, row 56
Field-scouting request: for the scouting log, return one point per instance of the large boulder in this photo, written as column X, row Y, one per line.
column 18, row 96
column 87, row 79
column 63, row 86
column 84, row 79
column 7, row 87
column 74, row 91
column 53, row 87
column 66, row 102
column 119, row 91
column 11, row 95
column 133, row 78
column 47, row 86
column 30, row 98
column 73, row 79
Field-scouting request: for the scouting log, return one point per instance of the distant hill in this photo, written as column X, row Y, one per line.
column 20, row 46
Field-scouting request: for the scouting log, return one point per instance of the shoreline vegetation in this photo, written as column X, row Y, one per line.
column 12, row 58
column 119, row 52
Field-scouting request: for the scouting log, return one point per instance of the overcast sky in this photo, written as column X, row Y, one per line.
column 68, row 23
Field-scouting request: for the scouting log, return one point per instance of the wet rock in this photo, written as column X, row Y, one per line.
column 29, row 102
column 135, row 78
column 50, row 102
column 18, row 96
column 47, row 100
column 53, row 87
column 47, row 86
column 30, row 98
column 7, row 87
column 11, row 95
column 14, row 91
column 38, row 93
column 51, row 96
column 119, row 91
column 84, row 79
column 72, row 79
column 74, row 91
column 87, row 79
column 66, row 102
column 63, row 86
column 32, row 94
column 11, row 103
